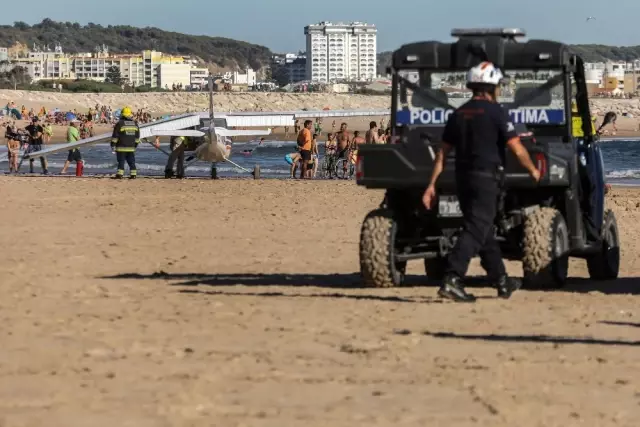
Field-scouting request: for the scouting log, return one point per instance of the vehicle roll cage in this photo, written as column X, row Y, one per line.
column 500, row 47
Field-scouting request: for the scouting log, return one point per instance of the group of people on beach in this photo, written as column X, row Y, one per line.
column 341, row 145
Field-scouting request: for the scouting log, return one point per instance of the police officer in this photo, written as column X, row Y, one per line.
column 124, row 141
column 480, row 131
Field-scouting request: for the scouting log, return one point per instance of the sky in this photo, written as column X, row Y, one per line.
column 279, row 24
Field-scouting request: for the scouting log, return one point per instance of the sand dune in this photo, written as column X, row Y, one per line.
column 198, row 101
column 251, row 101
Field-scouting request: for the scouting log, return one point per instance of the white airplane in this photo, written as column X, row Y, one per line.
column 217, row 147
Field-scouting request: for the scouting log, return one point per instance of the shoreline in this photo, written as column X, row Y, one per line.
column 614, row 185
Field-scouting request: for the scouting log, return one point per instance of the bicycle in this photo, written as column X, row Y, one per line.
column 346, row 167
column 328, row 166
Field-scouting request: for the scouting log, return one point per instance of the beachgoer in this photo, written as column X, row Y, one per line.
column 330, row 145
column 371, row 137
column 35, row 144
column 344, row 143
column 304, row 142
column 249, row 151
column 73, row 135
column 312, row 166
column 124, row 141
column 13, row 149
column 293, row 159
column 480, row 131
column 48, row 132
column 357, row 140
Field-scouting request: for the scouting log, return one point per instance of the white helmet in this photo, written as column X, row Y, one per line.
column 484, row 73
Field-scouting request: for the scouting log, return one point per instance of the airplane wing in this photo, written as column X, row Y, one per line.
column 183, row 132
column 286, row 118
column 147, row 130
column 231, row 132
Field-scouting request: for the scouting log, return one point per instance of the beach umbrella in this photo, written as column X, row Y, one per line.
column 69, row 116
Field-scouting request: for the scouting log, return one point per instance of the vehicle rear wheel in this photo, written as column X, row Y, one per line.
column 435, row 268
column 546, row 243
column 606, row 264
column 378, row 266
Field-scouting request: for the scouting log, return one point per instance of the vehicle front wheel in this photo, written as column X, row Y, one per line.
column 606, row 264
column 378, row 266
column 546, row 243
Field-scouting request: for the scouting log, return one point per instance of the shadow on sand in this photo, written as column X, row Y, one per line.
column 621, row 286
column 526, row 339
column 326, row 281
column 611, row 323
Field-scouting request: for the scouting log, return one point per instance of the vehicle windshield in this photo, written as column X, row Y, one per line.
column 427, row 98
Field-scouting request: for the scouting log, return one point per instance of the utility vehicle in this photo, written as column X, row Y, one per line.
column 541, row 224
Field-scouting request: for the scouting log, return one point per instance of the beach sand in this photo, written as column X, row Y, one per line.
column 235, row 303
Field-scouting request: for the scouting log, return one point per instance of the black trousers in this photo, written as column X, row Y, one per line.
column 478, row 195
column 43, row 161
column 130, row 158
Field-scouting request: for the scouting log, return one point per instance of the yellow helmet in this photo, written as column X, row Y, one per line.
column 126, row 112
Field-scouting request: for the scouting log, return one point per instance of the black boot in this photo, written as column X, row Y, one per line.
column 452, row 288
column 168, row 174
column 507, row 286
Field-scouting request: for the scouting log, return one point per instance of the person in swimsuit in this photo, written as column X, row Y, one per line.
column 312, row 166
column 13, row 149
column 371, row 137
column 357, row 140
column 344, row 143
column 293, row 159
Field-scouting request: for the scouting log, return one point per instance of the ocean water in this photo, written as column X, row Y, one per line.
column 621, row 158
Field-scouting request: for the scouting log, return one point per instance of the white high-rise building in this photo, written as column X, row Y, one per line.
column 341, row 52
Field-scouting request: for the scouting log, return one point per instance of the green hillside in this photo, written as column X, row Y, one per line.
column 588, row 52
column 74, row 37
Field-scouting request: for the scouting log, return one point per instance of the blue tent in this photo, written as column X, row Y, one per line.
column 117, row 113
column 16, row 114
column 69, row 116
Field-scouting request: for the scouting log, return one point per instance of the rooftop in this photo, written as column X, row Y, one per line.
column 324, row 24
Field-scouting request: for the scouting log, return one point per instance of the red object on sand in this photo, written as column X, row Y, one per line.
column 79, row 168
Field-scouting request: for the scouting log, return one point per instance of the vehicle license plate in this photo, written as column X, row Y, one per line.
column 449, row 206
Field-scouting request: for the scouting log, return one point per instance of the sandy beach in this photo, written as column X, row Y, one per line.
column 159, row 104
column 236, row 303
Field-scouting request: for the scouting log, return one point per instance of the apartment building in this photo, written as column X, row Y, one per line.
column 4, row 54
column 341, row 52
column 137, row 69
column 199, row 77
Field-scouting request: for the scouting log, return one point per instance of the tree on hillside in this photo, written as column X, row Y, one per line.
column 14, row 77
column 114, row 76
column 74, row 37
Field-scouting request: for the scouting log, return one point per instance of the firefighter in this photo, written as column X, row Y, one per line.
column 125, row 140
column 481, row 132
